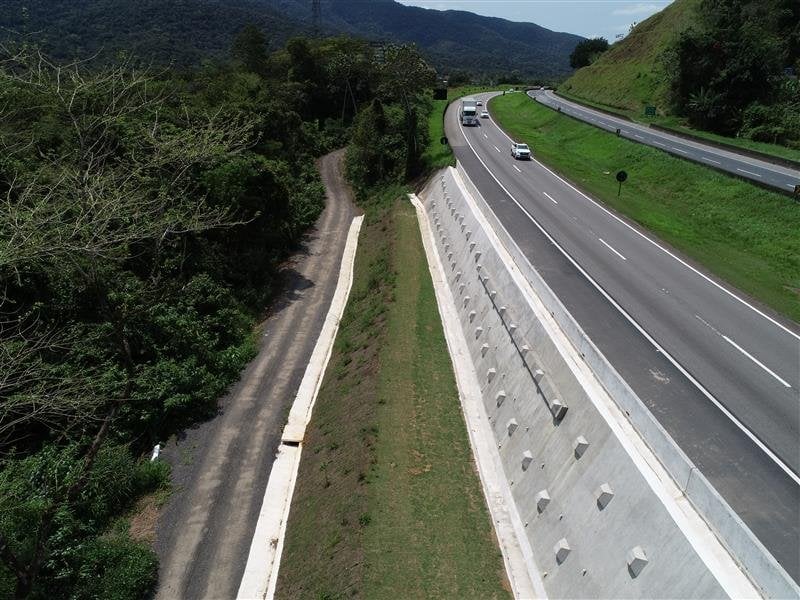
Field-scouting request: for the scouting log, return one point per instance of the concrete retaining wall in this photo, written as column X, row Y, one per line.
column 602, row 515
column 761, row 567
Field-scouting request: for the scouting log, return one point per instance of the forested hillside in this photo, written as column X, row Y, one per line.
column 145, row 215
column 726, row 66
column 184, row 32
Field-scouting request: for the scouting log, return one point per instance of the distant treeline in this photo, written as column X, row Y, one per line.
column 145, row 215
column 735, row 71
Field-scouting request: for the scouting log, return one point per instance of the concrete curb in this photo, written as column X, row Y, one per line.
column 263, row 562
column 517, row 554
column 754, row 559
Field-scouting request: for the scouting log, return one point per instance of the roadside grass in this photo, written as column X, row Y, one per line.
column 679, row 124
column 744, row 234
column 438, row 155
column 387, row 502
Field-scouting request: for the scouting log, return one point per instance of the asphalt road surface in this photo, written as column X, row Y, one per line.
column 718, row 371
column 220, row 469
column 764, row 172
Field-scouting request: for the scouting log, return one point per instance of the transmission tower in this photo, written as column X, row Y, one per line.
column 316, row 18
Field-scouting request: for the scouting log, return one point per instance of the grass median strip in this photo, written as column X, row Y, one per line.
column 387, row 502
column 744, row 234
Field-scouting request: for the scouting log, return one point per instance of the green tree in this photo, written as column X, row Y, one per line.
column 587, row 51
column 250, row 49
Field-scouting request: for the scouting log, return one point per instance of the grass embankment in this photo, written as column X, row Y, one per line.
column 388, row 503
column 680, row 125
column 744, row 234
column 438, row 155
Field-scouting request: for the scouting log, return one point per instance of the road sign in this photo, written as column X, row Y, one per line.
column 649, row 111
column 443, row 141
column 619, row 131
column 797, row 190
column 621, row 176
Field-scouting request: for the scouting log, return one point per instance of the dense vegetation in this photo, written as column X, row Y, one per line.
column 729, row 71
column 144, row 216
column 726, row 66
column 185, row 32
column 587, row 51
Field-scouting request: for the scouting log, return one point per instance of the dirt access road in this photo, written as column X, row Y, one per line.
column 220, row 468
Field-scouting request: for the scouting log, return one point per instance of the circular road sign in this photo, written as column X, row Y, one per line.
column 621, row 176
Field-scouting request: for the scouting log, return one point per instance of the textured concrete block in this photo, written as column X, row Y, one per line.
column 461, row 288
column 478, row 332
column 512, row 329
column 537, row 375
column 472, row 314
column 524, row 349
column 502, row 310
column 637, row 560
column 527, row 459
column 580, row 446
column 484, row 349
column 500, row 398
column 542, row 499
column 478, row 267
column 511, row 426
column 469, row 233
column 458, row 273
column 493, row 294
column 471, row 246
column 604, row 494
column 490, row 374
column 558, row 408
column 466, row 300
column 478, row 254
column 561, row 550
column 463, row 226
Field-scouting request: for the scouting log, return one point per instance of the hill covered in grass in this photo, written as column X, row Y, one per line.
column 632, row 73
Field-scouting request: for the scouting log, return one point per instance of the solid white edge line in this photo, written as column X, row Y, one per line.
column 638, row 327
column 260, row 575
column 660, row 247
column 610, row 247
column 755, row 360
column 551, row 198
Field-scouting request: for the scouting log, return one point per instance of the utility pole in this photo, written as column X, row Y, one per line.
column 316, row 18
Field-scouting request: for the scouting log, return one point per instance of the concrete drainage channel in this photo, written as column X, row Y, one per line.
column 261, row 572
column 584, row 498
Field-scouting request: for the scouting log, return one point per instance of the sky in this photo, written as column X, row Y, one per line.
column 589, row 18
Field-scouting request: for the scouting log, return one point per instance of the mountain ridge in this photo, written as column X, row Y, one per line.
column 185, row 32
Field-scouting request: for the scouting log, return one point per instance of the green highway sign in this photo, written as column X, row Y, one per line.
column 649, row 111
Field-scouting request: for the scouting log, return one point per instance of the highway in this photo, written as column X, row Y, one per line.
column 719, row 372
column 761, row 171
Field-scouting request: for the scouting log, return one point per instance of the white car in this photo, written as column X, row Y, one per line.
column 520, row 151
column 485, row 114
column 479, row 103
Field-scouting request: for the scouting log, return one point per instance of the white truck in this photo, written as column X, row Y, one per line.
column 520, row 151
column 468, row 113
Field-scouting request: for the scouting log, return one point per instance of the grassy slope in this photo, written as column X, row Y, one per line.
column 630, row 76
column 744, row 234
column 387, row 503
